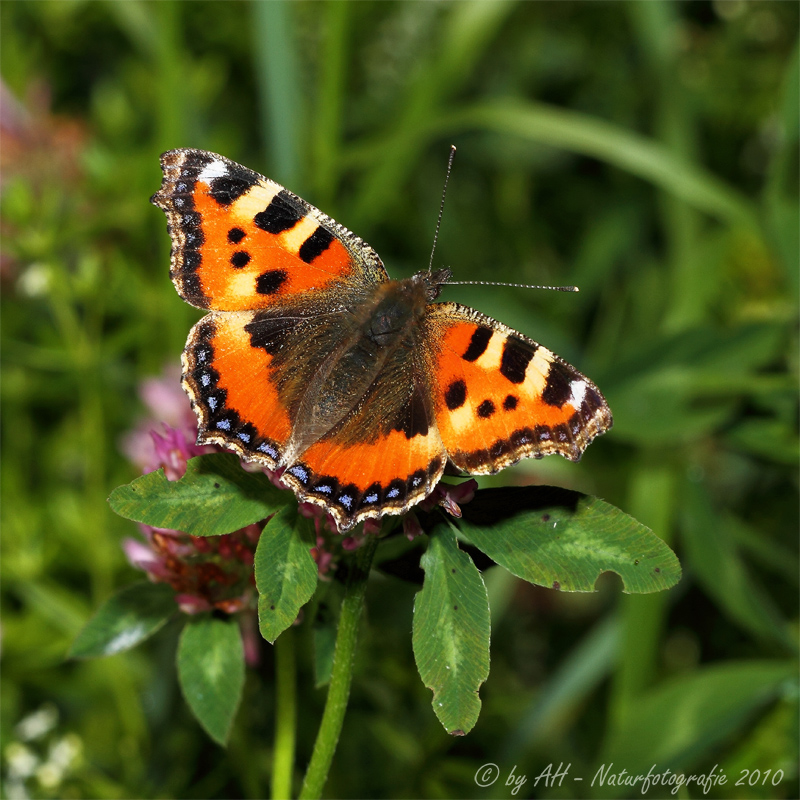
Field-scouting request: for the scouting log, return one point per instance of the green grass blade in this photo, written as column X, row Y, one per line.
column 465, row 34
column 279, row 90
column 580, row 133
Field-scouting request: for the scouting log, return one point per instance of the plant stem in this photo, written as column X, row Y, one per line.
column 339, row 690
column 285, row 716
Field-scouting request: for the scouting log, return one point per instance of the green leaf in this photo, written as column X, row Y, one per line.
column 565, row 540
column 211, row 672
column 128, row 617
column 451, row 632
column 214, row 496
column 694, row 714
column 286, row 573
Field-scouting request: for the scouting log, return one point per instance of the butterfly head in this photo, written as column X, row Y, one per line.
column 434, row 281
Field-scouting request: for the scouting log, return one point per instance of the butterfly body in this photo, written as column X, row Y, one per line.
column 376, row 332
column 360, row 388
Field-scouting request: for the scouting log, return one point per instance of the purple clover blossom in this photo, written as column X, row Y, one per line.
column 207, row 573
column 168, row 437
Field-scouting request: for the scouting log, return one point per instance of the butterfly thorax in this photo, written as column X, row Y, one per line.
column 376, row 334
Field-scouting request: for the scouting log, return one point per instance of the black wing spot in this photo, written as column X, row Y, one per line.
column 478, row 344
column 267, row 333
column 456, row 394
column 228, row 188
column 558, row 388
column 279, row 216
column 240, row 259
column 486, row 409
column 315, row 245
column 271, row 281
column 516, row 357
column 510, row 403
column 235, row 235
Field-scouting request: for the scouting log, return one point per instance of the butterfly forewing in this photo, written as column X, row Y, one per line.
column 242, row 241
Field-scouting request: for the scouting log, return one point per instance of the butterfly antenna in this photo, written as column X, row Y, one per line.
column 516, row 285
column 441, row 207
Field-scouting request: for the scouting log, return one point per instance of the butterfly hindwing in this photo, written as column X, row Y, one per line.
column 385, row 456
column 499, row 396
column 248, row 372
column 258, row 380
column 360, row 477
column 242, row 241
column 230, row 383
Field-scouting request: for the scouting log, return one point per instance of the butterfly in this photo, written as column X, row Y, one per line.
column 360, row 389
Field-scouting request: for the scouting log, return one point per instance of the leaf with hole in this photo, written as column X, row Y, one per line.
column 565, row 540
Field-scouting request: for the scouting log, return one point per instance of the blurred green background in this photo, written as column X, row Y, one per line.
column 647, row 152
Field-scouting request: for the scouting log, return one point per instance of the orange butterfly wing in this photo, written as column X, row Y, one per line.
column 248, row 374
column 241, row 241
column 499, row 396
column 385, row 457
column 229, row 381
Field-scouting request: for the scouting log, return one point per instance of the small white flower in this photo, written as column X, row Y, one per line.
column 38, row 723
column 22, row 761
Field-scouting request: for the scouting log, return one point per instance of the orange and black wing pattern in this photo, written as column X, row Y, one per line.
column 229, row 373
column 500, row 397
column 248, row 374
column 384, row 458
column 241, row 241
